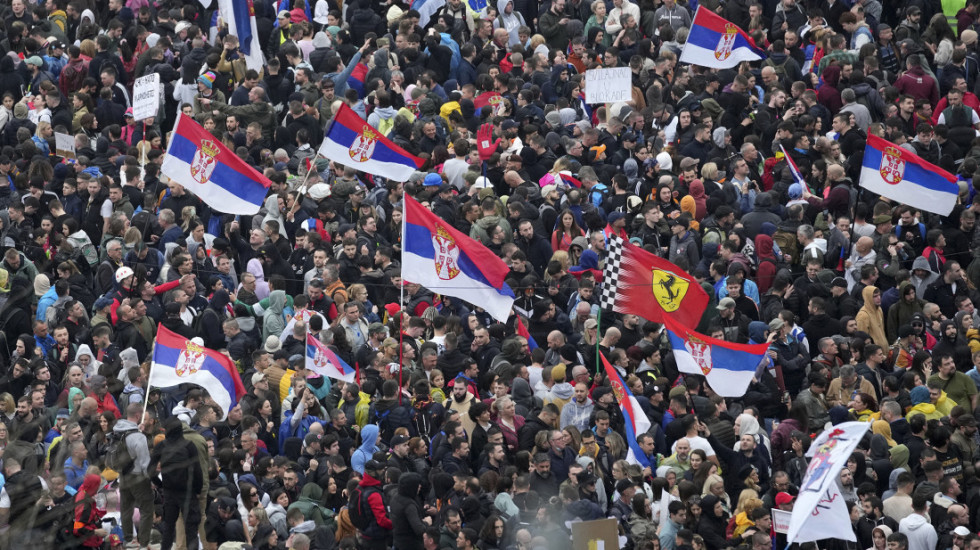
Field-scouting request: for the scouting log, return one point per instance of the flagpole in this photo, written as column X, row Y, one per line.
column 598, row 331
column 146, row 398
column 401, row 306
column 312, row 168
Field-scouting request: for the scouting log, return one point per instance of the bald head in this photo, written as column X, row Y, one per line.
column 865, row 244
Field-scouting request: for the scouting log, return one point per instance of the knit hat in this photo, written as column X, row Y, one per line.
column 919, row 394
column 664, row 161
column 558, row 372
column 207, row 79
column 41, row 284
column 969, row 37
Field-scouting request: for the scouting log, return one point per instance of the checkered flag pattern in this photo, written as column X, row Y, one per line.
column 614, row 258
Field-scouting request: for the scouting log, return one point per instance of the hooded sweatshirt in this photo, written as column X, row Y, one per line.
column 369, row 436
column 870, row 319
column 921, row 534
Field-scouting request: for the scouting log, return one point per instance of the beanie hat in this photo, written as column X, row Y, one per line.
column 665, row 162
column 207, row 79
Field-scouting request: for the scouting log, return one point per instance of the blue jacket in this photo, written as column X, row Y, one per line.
column 369, row 436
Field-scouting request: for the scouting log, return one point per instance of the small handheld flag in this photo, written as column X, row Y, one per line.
column 353, row 142
column 902, row 176
column 177, row 360
column 727, row 367
column 323, row 361
column 640, row 283
column 637, row 422
column 717, row 43
column 439, row 257
column 207, row 168
column 522, row 331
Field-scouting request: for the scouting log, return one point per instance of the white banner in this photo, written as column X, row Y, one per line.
column 817, row 509
column 146, row 96
column 64, row 145
column 608, row 85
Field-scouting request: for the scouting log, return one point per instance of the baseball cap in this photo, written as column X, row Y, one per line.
column 783, row 497
column 34, row 60
column 399, row 440
column 258, row 377
column 687, row 163
column 839, row 282
column 725, row 303
column 509, row 124
column 961, row 531
column 776, row 324
column 373, row 466
column 63, row 413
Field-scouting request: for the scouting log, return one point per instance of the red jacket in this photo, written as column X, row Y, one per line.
column 88, row 517
column 377, row 504
column 918, row 84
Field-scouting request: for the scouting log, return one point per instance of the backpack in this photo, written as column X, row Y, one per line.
column 390, row 420
column 787, row 243
column 117, row 454
column 359, row 509
column 780, row 68
column 71, row 78
column 592, row 218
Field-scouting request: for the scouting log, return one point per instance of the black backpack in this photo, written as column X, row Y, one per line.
column 359, row 509
column 117, row 455
column 390, row 420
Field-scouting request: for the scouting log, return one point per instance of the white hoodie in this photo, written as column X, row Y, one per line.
column 922, row 535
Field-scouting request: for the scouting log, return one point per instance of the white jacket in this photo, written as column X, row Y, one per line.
column 922, row 535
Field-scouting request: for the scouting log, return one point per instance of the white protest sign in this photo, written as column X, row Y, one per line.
column 608, row 85
column 780, row 520
column 146, row 96
column 64, row 145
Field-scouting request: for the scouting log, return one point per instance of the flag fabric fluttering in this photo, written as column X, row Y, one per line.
column 522, row 331
column 718, row 43
column 177, row 360
column 640, row 283
column 728, row 368
column 240, row 17
column 426, row 9
column 439, row 257
column 636, row 423
column 797, row 176
column 323, row 361
column 353, row 142
column 207, row 168
column 828, row 454
column 897, row 174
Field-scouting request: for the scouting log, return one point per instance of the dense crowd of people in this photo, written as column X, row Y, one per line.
column 462, row 431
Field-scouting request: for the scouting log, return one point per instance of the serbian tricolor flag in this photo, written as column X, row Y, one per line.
column 901, row 176
column 637, row 422
column 207, row 168
column 728, row 368
column 640, row 283
column 487, row 98
column 357, row 78
column 797, row 176
column 439, row 257
column 522, row 331
column 353, row 142
column 323, row 361
column 717, row 43
column 240, row 17
column 569, row 179
column 177, row 360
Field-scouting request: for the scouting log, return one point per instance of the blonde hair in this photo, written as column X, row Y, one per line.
column 709, row 171
column 41, row 127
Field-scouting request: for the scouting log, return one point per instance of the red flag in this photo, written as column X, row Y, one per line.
column 649, row 286
column 487, row 98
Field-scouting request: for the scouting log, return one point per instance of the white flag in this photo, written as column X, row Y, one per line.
column 829, row 454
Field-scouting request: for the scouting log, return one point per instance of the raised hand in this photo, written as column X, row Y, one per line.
column 485, row 144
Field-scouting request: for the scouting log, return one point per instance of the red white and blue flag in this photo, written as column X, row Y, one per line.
column 323, row 361
column 522, row 331
column 240, row 17
column 637, row 422
column 797, row 176
column 177, row 360
column 353, row 142
column 357, row 78
column 204, row 166
column 718, row 43
column 899, row 175
column 727, row 367
column 439, row 257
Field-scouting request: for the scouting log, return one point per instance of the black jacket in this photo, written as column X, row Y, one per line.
column 407, row 514
column 177, row 457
